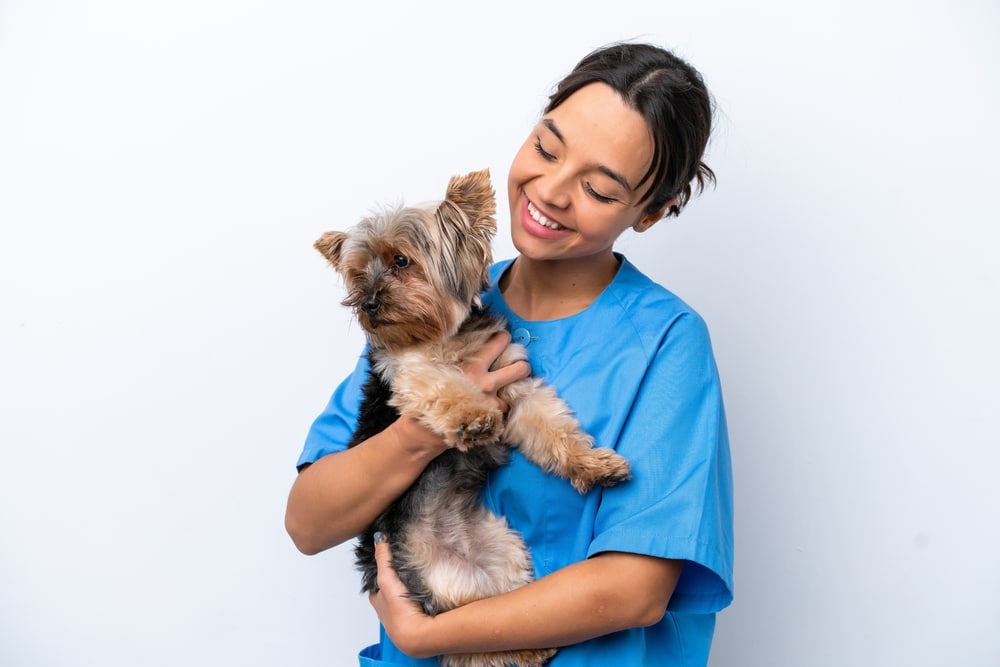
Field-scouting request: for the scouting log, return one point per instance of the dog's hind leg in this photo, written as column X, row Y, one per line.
column 465, row 558
column 479, row 557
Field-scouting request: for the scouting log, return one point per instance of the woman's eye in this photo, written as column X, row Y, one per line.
column 541, row 151
column 400, row 261
column 597, row 195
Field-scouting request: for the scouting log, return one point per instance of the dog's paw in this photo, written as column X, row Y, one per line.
column 475, row 428
column 601, row 466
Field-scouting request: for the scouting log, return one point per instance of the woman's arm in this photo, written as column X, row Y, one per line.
column 609, row 592
column 335, row 498
column 341, row 494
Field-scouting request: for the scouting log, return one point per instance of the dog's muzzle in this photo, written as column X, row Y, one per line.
column 370, row 307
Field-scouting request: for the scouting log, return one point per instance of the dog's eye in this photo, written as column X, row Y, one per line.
column 400, row 261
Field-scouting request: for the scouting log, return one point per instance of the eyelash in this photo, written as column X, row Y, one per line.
column 549, row 157
column 541, row 151
column 599, row 197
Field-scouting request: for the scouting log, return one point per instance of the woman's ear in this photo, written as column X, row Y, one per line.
column 651, row 218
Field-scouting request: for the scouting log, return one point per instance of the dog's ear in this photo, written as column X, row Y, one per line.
column 474, row 195
column 330, row 245
column 468, row 208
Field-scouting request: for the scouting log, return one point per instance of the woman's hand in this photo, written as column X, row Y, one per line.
column 404, row 620
column 477, row 369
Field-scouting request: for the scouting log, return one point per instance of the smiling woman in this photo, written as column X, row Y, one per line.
column 632, row 574
column 574, row 185
column 166, row 330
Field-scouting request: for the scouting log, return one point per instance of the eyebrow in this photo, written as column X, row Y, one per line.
column 607, row 171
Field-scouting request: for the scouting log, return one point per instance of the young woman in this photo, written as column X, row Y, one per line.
column 628, row 575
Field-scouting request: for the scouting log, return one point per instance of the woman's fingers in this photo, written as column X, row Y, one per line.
column 477, row 368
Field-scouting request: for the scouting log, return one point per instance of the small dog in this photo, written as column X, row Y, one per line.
column 413, row 278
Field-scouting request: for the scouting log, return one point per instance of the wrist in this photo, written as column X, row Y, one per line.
column 424, row 642
column 415, row 440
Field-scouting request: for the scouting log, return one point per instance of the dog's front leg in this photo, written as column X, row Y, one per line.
column 444, row 400
column 547, row 432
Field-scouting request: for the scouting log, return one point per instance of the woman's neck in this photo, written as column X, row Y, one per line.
column 553, row 289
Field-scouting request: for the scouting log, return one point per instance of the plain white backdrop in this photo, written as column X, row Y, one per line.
column 167, row 332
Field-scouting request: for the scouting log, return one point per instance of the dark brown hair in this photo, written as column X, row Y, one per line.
column 671, row 95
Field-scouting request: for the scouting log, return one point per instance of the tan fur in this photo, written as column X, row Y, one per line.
column 413, row 276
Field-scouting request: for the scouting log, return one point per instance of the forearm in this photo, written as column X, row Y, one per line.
column 340, row 495
column 595, row 597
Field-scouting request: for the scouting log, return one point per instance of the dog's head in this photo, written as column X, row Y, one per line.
column 413, row 273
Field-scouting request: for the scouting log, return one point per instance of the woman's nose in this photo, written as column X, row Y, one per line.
column 553, row 189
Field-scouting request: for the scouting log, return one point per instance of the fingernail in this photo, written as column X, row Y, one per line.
column 379, row 537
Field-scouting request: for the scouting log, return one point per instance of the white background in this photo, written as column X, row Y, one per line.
column 167, row 332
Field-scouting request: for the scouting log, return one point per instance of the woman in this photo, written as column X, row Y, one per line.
column 628, row 575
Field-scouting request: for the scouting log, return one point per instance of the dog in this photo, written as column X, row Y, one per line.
column 413, row 277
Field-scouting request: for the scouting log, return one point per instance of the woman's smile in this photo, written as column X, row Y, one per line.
column 539, row 225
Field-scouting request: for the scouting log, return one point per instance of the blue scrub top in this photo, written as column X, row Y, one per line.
column 638, row 370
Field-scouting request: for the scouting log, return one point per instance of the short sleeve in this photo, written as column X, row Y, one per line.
column 332, row 430
column 679, row 503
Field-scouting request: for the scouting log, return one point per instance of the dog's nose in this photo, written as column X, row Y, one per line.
column 371, row 306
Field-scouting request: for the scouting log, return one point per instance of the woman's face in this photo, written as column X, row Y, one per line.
column 574, row 184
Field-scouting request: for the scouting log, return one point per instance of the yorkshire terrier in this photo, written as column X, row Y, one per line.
column 413, row 277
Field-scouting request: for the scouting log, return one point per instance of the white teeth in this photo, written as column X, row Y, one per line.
column 537, row 216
